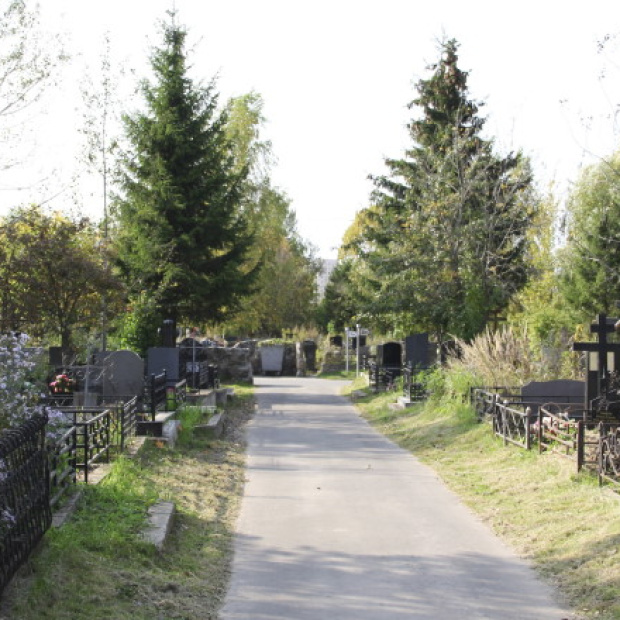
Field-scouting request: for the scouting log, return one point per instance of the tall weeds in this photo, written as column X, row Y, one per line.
column 502, row 357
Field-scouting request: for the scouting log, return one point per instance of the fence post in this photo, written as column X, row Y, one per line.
column 528, row 437
column 108, row 439
column 86, row 451
column 581, row 448
column 153, row 402
column 121, row 414
column 601, row 459
column 540, row 430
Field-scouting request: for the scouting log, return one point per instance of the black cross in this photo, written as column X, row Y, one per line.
column 602, row 327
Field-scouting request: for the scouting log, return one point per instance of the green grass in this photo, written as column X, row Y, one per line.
column 560, row 520
column 97, row 566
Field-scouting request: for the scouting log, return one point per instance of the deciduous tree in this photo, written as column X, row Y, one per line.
column 55, row 274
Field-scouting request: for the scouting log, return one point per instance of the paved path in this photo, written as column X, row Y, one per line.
column 338, row 523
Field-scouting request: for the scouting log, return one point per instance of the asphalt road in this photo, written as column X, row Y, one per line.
column 338, row 523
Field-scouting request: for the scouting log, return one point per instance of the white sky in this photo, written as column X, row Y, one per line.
column 336, row 77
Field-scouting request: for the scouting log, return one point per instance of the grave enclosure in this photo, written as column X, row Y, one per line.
column 578, row 419
column 107, row 403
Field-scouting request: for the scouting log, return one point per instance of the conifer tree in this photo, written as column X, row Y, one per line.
column 447, row 249
column 182, row 237
column 590, row 261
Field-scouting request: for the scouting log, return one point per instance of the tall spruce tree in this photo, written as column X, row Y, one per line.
column 447, row 249
column 182, row 236
column 590, row 261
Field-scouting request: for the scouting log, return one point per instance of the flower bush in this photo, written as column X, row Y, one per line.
column 20, row 401
column 19, row 393
column 62, row 384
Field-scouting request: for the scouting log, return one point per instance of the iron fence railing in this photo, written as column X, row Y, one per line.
column 512, row 422
column 609, row 453
column 25, row 512
column 93, row 441
column 381, row 377
column 562, row 428
column 62, row 459
column 155, row 393
column 413, row 390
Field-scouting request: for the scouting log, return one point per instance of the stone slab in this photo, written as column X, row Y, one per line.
column 203, row 398
column 160, row 518
column 215, row 425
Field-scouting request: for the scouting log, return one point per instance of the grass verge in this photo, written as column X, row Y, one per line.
column 560, row 520
column 97, row 566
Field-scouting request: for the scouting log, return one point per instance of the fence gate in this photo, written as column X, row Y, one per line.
column 25, row 513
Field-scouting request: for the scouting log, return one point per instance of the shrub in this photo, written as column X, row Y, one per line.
column 501, row 357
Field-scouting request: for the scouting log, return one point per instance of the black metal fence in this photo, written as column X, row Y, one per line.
column 62, row 464
column 413, row 389
column 25, row 512
column 567, row 429
column 201, row 374
column 381, row 377
column 155, row 393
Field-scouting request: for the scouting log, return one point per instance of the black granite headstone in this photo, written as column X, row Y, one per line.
column 164, row 358
column 389, row 354
column 309, row 349
column 169, row 333
column 335, row 341
column 416, row 351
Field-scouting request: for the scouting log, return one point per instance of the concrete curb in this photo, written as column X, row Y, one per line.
column 160, row 516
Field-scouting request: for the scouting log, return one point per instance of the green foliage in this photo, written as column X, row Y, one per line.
column 53, row 273
column 445, row 247
column 138, row 329
column 339, row 304
column 182, row 234
column 284, row 290
column 540, row 307
column 590, row 262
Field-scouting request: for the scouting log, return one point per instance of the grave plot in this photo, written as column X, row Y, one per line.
column 386, row 367
column 579, row 420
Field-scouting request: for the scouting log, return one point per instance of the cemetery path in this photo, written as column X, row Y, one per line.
column 338, row 522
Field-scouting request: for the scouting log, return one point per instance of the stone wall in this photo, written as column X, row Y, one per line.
column 234, row 364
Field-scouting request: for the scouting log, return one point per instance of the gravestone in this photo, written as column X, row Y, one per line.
column 309, row 351
column 355, row 339
column 169, row 333
column 389, row 354
column 602, row 365
column 335, row 341
column 234, row 364
column 416, row 351
column 272, row 358
column 123, row 375
column 164, row 358
column 55, row 356
column 300, row 356
column 561, row 391
column 192, row 353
